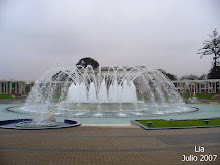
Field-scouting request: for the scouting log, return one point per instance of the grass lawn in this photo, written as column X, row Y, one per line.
column 56, row 96
column 6, row 97
column 199, row 96
column 185, row 96
column 182, row 123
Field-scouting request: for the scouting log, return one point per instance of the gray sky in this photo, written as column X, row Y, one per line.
column 162, row 34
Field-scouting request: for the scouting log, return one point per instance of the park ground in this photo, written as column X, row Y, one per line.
column 108, row 145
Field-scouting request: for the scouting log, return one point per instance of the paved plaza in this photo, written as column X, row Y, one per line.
column 106, row 145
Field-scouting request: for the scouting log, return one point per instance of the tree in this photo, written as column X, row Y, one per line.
column 84, row 62
column 214, row 73
column 62, row 76
column 203, row 77
column 189, row 77
column 212, row 47
column 171, row 76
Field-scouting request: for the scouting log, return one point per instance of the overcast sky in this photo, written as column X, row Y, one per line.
column 165, row 34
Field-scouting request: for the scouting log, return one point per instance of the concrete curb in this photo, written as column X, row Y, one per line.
column 4, row 124
column 165, row 128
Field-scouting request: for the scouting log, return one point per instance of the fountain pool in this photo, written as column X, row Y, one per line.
column 205, row 111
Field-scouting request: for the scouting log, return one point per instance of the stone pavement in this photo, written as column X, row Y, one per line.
column 106, row 145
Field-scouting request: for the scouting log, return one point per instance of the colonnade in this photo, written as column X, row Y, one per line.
column 183, row 86
column 198, row 86
column 15, row 87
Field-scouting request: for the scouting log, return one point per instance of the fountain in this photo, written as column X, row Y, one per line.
column 116, row 92
column 194, row 98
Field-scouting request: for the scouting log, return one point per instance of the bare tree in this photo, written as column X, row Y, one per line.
column 212, row 47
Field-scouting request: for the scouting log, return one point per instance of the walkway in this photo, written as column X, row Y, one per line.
column 105, row 145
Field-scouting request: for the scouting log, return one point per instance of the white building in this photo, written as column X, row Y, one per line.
column 199, row 86
column 15, row 87
column 183, row 86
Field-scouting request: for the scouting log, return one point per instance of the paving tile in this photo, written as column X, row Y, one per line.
column 104, row 145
